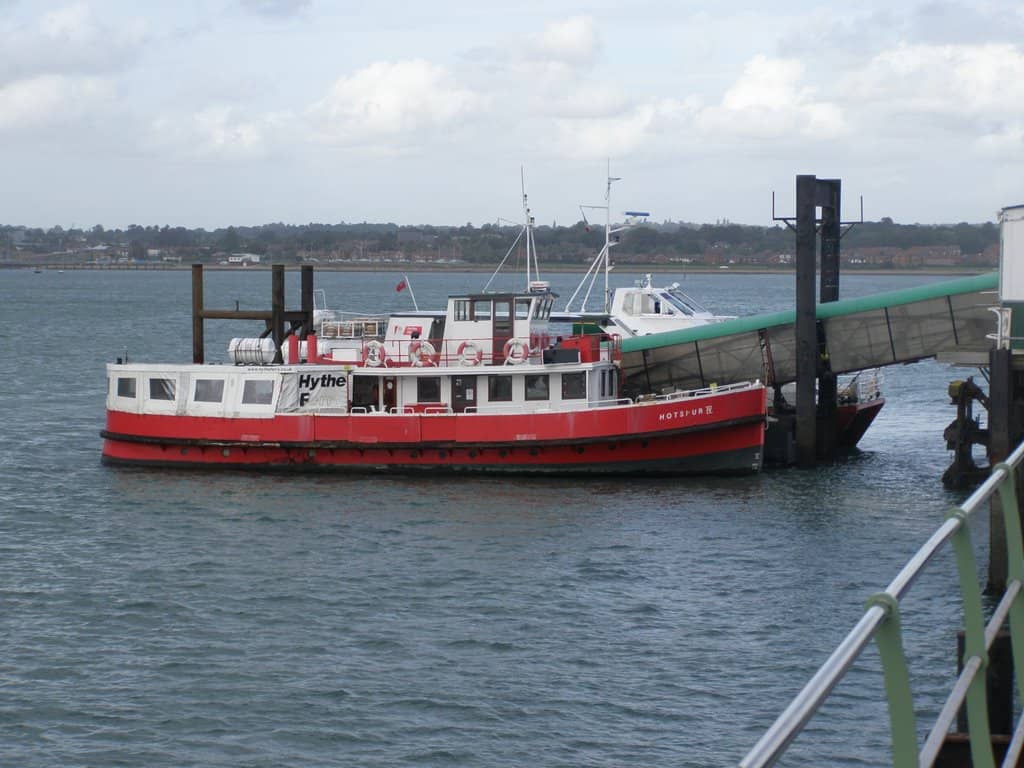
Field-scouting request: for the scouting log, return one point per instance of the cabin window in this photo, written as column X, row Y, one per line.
column 574, row 385
column 258, row 392
column 209, row 390
column 607, row 383
column 537, row 387
column 482, row 309
column 126, row 387
column 502, row 310
column 499, row 389
column 428, row 389
column 522, row 309
column 162, row 389
column 462, row 309
column 365, row 392
column 544, row 311
column 629, row 304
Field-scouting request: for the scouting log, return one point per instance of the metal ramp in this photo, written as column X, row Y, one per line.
column 950, row 320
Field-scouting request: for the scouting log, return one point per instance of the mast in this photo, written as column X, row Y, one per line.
column 526, row 218
column 608, row 236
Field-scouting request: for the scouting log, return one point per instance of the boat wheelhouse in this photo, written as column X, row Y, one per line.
column 483, row 387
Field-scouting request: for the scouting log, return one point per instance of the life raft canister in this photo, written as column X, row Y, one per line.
column 469, row 353
column 374, row 354
column 516, row 351
column 421, row 353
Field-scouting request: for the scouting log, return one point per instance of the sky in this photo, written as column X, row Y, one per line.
column 200, row 113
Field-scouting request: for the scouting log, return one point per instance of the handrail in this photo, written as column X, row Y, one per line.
column 880, row 621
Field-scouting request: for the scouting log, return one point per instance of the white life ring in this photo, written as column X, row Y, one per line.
column 516, row 351
column 374, row 354
column 469, row 353
column 421, row 353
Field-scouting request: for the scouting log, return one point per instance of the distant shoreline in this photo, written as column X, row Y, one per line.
column 554, row 269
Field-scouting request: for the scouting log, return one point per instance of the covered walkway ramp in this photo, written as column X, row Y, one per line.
column 948, row 320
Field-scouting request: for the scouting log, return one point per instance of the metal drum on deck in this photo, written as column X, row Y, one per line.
column 253, row 351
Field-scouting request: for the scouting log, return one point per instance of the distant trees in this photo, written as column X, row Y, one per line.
column 574, row 244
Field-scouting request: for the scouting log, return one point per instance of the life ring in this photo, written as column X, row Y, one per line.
column 469, row 353
column 421, row 353
column 516, row 351
column 374, row 354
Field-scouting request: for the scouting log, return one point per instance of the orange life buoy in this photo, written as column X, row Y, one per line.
column 469, row 353
column 374, row 354
column 516, row 351
column 421, row 353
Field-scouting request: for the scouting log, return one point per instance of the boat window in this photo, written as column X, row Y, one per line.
column 209, row 390
column 629, row 304
column 462, row 309
column 545, row 309
column 428, row 389
column 537, row 387
column 126, row 387
column 482, row 309
column 258, row 392
column 502, row 310
column 522, row 309
column 574, row 385
column 499, row 389
column 683, row 302
column 365, row 390
column 162, row 389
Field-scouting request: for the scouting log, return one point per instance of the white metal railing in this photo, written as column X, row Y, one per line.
column 881, row 622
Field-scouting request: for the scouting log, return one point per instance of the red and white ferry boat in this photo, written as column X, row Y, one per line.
column 484, row 387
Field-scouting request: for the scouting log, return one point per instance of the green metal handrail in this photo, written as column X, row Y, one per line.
column 881, row 621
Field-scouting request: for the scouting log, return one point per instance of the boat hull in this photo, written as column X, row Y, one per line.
column 715, row 434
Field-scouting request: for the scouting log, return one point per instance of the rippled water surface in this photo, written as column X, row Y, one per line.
column 169, row 618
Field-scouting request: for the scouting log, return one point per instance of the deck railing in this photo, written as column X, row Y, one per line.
column 881, row 622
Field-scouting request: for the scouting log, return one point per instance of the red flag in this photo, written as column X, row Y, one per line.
column 400, row 287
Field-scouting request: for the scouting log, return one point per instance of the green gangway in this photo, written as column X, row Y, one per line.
column 949, row 320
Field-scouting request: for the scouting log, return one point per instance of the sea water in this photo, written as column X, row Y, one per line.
column 179, row 618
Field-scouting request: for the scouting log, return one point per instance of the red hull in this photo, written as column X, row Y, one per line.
column 719, row 433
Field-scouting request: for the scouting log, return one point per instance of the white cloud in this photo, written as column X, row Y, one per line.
column 950, row 79
column 50, row 100
column 69, row 41
column 642, row 128
column 769, row 102
column 276, row 8
column 213, row 133
column 573, row 41
column 389, row 101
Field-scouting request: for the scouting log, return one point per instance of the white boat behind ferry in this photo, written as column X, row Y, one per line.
column 635, row 310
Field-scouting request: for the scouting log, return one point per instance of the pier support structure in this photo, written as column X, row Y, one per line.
column 815, row 382
column 300, row 321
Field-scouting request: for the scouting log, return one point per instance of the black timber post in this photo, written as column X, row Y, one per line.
column 806, row 322
column 277, row 310
column 307, row 300
column 1001, row 440
column 828, row 198
column 198, row 344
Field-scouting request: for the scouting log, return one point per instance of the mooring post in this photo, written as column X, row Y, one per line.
column 828, row 197
column 806, row 322
column 1000, row 441
column 307, row 300
column 197, row 314
column 277, row 310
